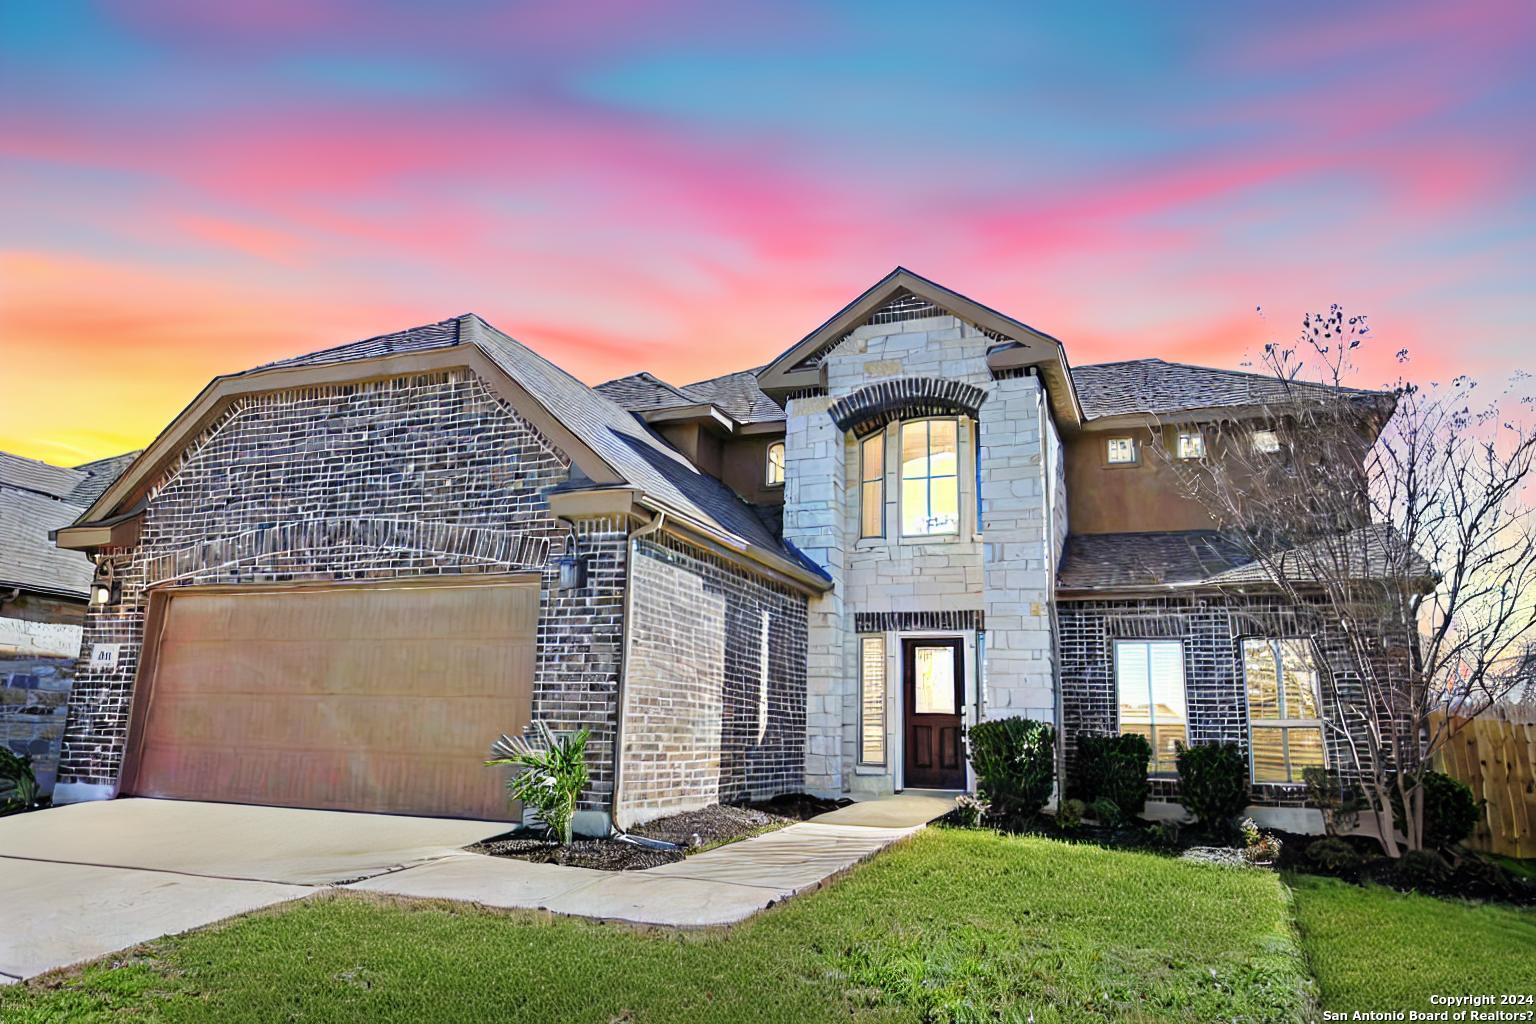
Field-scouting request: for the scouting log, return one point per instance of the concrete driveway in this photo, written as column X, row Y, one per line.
column 80, row 881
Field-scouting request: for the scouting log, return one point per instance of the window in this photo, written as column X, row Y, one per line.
column 930, row 478
column 1266, row 441
column 1149, row 681
column 1120, row 451
column 1285, row 725
column 872, row 700
column 1191, row 444
column 934, row 686
column 872, row 486
column 775, row 477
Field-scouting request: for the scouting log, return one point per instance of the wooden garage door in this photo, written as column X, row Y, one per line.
column 366, row 697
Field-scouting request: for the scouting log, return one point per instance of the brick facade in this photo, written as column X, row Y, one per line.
column 1212, row 628
column 714, row 692
column 412, row 476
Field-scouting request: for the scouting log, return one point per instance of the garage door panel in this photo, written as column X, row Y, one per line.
column 367, row 698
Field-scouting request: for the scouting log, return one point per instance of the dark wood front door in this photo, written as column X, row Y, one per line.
column 933, row 678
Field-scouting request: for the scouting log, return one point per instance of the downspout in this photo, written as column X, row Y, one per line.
column 631, row 548
column 1051, row 557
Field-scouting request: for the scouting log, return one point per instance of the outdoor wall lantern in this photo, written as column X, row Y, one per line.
column 573, row 572
column 106, row 588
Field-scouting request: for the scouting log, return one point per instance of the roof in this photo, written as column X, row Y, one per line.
column 734, row 394
column 36, row 497
column 1153, row 386
column 622, row 444
column 1211, row 559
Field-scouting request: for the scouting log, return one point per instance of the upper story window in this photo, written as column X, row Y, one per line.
column 930, row 478
column 872, row 485
column 1266, row 441
column 1120, row 451
column 775, row 470
column 1191, row 444
column 1149, row 683
column 1284, row 722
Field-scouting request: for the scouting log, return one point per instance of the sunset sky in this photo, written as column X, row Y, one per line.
column 190, row 188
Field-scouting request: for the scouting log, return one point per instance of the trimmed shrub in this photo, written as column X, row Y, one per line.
column 1114, row 768
column 1070, row 814
column 969, row 811
column 1106, row 812
column 1333, row 855
column 1213, row 779
column 1015, row 762
column 1450, row 811
column 1422, row 869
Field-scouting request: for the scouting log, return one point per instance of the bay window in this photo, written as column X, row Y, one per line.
column 1284, row 721
column 1149, row 684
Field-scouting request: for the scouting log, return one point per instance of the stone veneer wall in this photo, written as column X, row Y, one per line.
column 39, row 641
column 1212, row 628
column 714, row 690
column 1000, row 573
column 422, row 475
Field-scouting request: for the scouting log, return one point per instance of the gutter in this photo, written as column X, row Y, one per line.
column 631, row 547
column 769, row 563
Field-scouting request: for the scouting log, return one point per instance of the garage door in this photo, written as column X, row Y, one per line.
column 365, row 697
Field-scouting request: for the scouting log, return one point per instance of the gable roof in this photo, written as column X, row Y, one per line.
column 902, row 294
column 35, row 498
column 609, row 447
column 1154, row 386
column 643, row 392
column 737, row 395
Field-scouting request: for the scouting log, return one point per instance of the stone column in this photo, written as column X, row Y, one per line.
column 815, row 505
column 1016, row 562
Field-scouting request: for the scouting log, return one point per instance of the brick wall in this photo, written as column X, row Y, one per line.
column 1211, row 628
column 413, row 476
column 715, row 688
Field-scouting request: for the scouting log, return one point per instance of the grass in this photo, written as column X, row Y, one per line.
column 1375, row 949
column 953, row 926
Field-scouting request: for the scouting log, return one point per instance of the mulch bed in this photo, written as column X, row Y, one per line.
column 690, row 831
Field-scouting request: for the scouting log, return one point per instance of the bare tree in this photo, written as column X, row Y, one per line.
column 1401, row 520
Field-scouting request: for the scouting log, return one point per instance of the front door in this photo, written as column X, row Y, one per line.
column 933, row 676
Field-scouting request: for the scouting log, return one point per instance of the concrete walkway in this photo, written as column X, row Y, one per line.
column 82, row 881
column 718, row 887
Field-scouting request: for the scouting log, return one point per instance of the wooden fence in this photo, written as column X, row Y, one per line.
column 1494, row 753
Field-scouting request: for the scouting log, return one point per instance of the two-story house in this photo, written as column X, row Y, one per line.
column 335, row 578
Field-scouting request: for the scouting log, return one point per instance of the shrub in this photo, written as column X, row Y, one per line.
column 1164, row 835
column 1114, row 768
column 1259, row 847
column 1070, row 814
column 1340, row 802
column 1213, row 778
column 18, row 784
column 1450, row 811
column 969, row 811
column 1015, row 762
column 1421, row 869
column 1106, row 812
column 1333, row 855
column 554, row 773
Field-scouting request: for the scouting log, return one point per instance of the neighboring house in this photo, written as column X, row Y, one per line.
column 43, row 592
column 335, row 579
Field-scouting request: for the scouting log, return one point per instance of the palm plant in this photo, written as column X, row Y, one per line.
column 18, row 785
column 553, row 775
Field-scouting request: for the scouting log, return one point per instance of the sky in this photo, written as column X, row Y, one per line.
column 192, row 188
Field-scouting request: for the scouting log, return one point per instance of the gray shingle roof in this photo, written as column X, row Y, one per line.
column 1208, row 558
column 644, row 392
column 639, row 456
column 28, row 559
column 1153, row 386
column 739, row 397
column 38, row 477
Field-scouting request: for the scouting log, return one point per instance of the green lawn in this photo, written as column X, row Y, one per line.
column 1375, row 949
column 954, row 926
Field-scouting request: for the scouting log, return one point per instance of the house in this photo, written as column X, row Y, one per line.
column 333, row 579
column 43, row 594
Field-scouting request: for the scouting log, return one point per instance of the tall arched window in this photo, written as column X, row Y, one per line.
column 775, row 471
